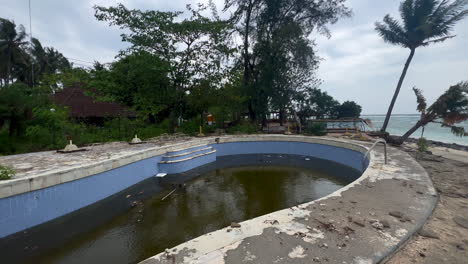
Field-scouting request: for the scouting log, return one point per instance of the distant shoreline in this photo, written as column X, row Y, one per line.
column 366, row 115
column 434, row 143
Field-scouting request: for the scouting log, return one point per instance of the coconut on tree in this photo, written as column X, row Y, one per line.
column 448, row 110
column 424, row 22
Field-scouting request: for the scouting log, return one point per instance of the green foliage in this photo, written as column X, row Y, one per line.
column 6, row 173
column 315, row 102
column 448, row 110
column 278, row 58
column 177, row 67
column 243, row 128
column 424, row 22
column 316, row 128
column 348, row 109
column 138, row 80
column 190, row 127
column 48, row 129
column 18, row 62
column 16, row 103
column 422, row 145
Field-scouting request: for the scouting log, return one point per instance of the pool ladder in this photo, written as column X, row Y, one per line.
column 371, row 148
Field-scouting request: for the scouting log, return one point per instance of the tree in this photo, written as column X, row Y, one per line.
column 193, row 48
column 348, row 109
column 449, row 109
column 16, row 103
column 246, row 9
column 138, row 80
column 424, row 22
column 42, row 61
column 317, row 103
column 11, row 48
column 48, row 59
column 278, row 58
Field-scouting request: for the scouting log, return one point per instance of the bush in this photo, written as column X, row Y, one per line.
column 246, row 128
column 190, row 127
column 6, row 173
column 422, row 145
column 316, row 129
column 51, row 130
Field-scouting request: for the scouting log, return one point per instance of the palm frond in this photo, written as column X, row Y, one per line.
column 452, row 106
column 407, row 14
column 437, row 40
column 458, row 131
column 423, row 9
column 424, row 22
column 421, row 100
column 444, row 18
column 392, row 32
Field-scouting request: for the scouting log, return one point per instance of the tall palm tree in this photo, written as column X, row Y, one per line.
column 11, row 45
column 47, row 59
column 424, row 22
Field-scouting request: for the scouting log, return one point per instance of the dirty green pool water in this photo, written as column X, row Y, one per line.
column 208, row 202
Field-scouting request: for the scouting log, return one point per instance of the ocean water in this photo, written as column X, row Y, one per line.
column 399, row 124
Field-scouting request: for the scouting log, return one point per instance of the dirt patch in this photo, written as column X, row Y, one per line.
column 443, row 239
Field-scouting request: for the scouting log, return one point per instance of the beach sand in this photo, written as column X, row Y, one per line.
column 444, row 238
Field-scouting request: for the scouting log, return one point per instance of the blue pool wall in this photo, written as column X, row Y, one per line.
column 340, row 155
column 29, row 209
column 26, row 210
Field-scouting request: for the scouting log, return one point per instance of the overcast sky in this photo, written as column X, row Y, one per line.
column 357, row 65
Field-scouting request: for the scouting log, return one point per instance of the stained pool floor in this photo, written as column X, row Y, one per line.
column 203, row 204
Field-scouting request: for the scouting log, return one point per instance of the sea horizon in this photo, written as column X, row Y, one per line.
column 400, row 123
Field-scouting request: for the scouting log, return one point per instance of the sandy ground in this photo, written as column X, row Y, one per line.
column 444, row 238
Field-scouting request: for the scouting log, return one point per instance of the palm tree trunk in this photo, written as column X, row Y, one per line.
column 397, row 91
column 411, row 131
column 246, row 80
column 8, row 67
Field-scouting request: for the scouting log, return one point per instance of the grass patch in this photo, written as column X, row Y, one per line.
column 6, row 173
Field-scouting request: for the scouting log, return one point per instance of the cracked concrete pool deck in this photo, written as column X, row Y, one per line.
column 364, row 222
column 32, row 164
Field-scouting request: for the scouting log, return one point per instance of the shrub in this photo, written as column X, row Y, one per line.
column 245, row 128
column 316, row 128
column 6, row 173
column 190, row 127
column 422, row 145
column 209, row 128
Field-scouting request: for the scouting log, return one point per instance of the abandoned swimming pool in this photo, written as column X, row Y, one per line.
column 232, row 189
column 30, row 204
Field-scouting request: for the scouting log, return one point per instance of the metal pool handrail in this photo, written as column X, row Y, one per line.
column 372, row 147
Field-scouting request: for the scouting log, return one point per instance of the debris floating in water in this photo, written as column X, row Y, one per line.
column 168, row 194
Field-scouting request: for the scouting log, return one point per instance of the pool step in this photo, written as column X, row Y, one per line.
column 185, row 150
column 187, row 154
column 182, row 160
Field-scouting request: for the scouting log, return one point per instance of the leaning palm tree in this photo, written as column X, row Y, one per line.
column 424, row 22
column 448, row 110
column 11, row 45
